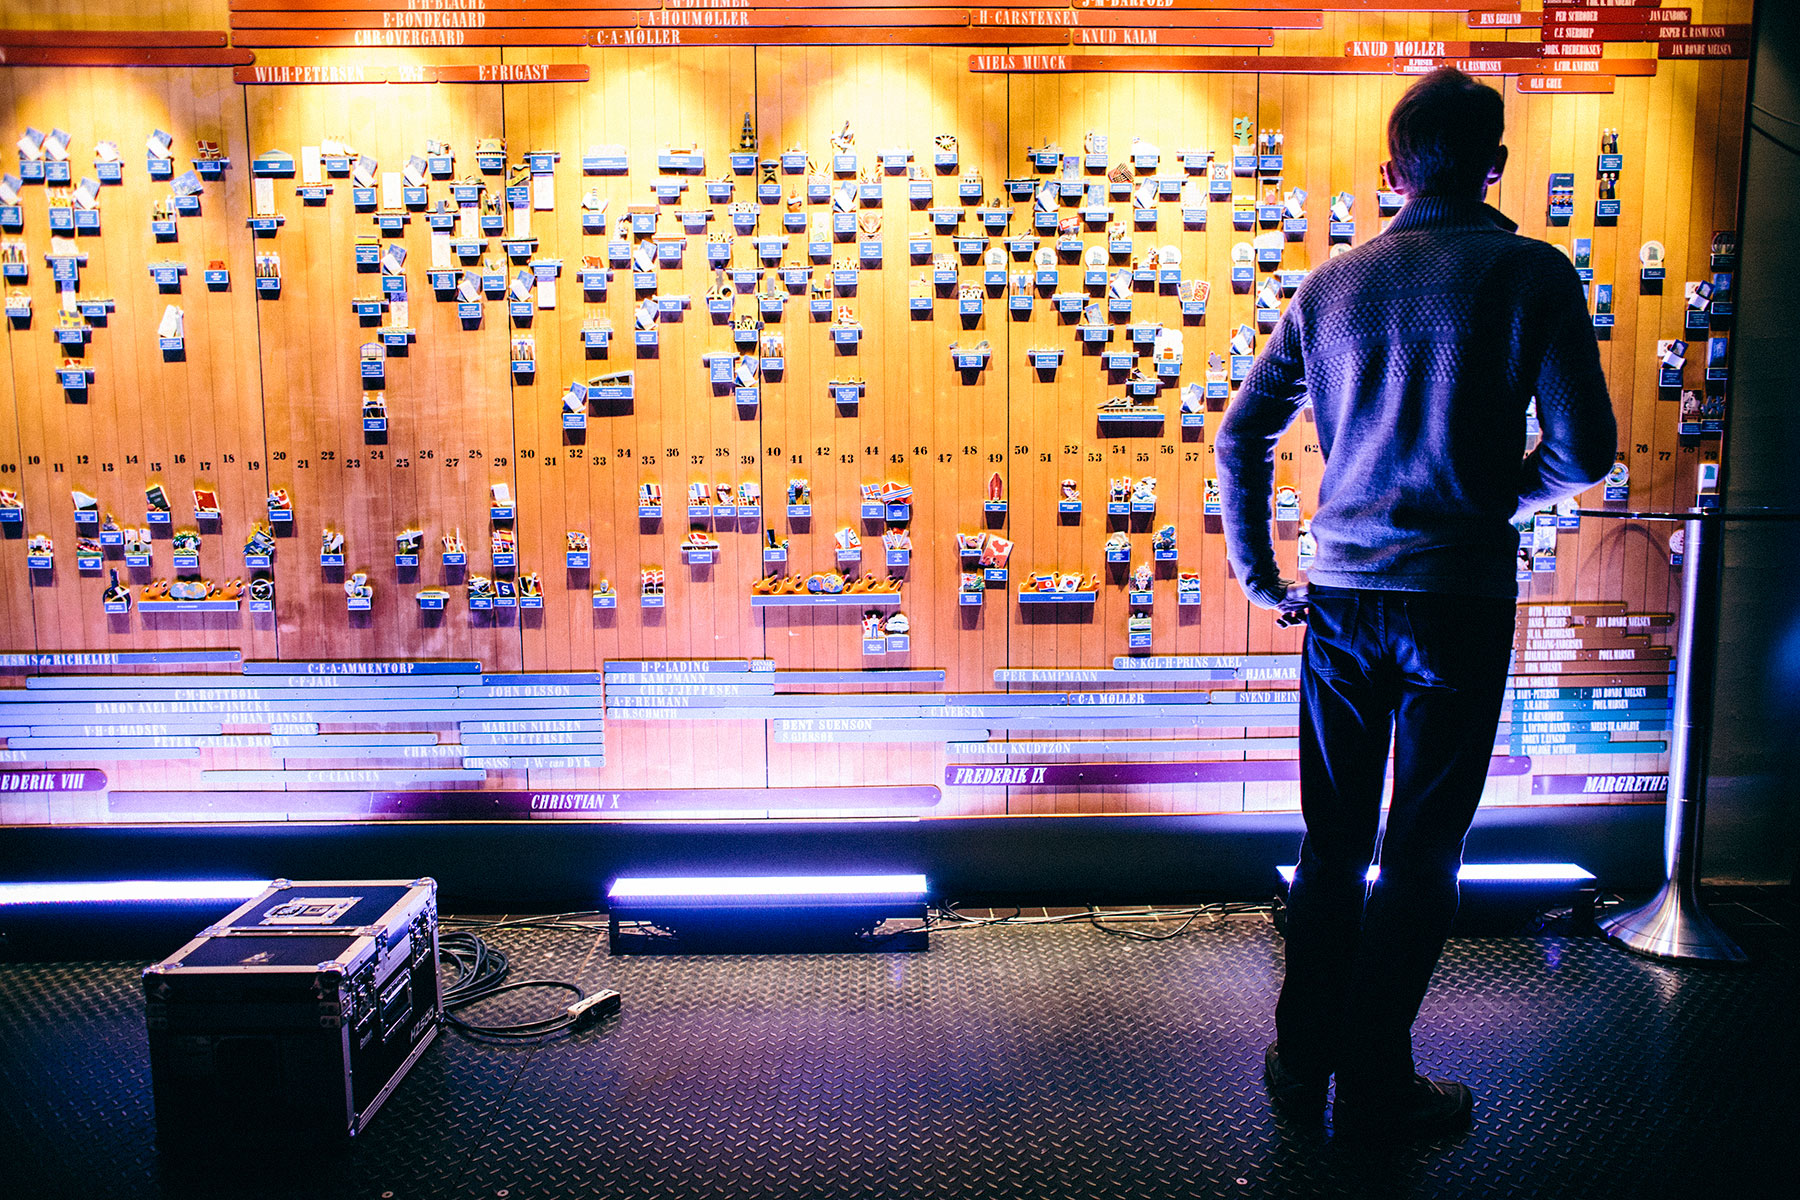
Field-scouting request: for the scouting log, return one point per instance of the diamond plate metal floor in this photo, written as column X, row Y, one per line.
column 1038, row 1062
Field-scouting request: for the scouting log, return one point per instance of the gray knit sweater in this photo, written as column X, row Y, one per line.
column 1420, row 351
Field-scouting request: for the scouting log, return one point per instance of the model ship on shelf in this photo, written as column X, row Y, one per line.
column 1128, row 409
column 188, row 595
column 827, row 588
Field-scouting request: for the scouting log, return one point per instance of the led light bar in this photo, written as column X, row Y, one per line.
column 1493, row 873
column 765, row 913
column 131, row 891
column 725, row 887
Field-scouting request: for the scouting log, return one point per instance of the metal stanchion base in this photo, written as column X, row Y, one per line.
column 1672, row 927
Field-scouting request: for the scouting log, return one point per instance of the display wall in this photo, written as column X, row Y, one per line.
column 527, row 370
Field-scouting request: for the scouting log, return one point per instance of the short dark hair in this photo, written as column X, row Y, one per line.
column 1443, row 134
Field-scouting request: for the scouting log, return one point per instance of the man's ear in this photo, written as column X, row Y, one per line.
column 1494, row 172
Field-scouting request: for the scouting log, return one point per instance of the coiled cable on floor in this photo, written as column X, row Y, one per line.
column 480, row 973
column 947, row 917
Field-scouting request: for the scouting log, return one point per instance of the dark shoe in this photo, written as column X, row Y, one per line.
column 1425, row 1108
column 1294, row 1097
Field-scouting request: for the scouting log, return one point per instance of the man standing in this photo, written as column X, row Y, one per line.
column 1419, row 351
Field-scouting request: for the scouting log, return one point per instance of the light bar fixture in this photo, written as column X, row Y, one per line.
column 131, row 891
column 762, row 913
column 1501, row 897
column 1493, row 873
column 750, row 887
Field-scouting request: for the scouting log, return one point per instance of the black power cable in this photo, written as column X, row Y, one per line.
column 480, row 973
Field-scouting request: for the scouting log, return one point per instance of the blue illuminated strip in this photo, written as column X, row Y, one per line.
column 1537, row 750
column 723, row 708
column 57, row 683
column 350, row 777
column 29, row 661
column 1150, row 715
column 1117, row 688
column 998, row 717
column 677, row 709
column 1026, row 700
column 1205, row 662
column 508, row 691
column 850, row 722
column 560, row 724
column 258, row 804
column 520, row 720
column 1494, row 873
column 104, row 755
column 1055, row 675
column 537, row 750
column 1608, row 724
column 375, row 669
column 786, row 733
column 875, row 678
column 100, row 729
column 535, row 763
column 660, row 688
column 1130, row 746
column 240, row 711
column 231, row 741
column 1528, row 690
column 1563, row 739
column 678, row 679
column 431, row 750
column 130, row 891
column 1049, row 707
column 446, row 713
column 12, row 700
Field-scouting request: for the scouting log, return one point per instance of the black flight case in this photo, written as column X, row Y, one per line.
column 294, row 1018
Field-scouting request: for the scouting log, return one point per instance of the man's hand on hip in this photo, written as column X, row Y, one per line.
column 1286, row 597
column 1293, row 609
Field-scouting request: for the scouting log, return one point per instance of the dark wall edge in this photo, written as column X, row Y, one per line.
column 1753, row 812
column 564, row 865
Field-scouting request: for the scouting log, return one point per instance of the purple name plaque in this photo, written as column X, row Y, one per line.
column 575, row 805
column 1652, row 785
column 80, row 780
column 1094, row 774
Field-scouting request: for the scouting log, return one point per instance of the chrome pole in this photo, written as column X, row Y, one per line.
column 1674, row 925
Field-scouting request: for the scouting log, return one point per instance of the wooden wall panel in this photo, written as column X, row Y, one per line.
column 145, row 418
column 274, row 382
column 183, row 421
column 450, row 431
column 18, row 620
column 921, row 422
column 678, row 429
column 1057, row 418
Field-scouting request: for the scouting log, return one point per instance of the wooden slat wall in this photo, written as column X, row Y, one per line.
column 647, row 102
column 185, row 423
column 274, row 382
column 449, row 430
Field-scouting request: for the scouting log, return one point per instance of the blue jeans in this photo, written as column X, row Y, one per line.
column 1427, row 671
